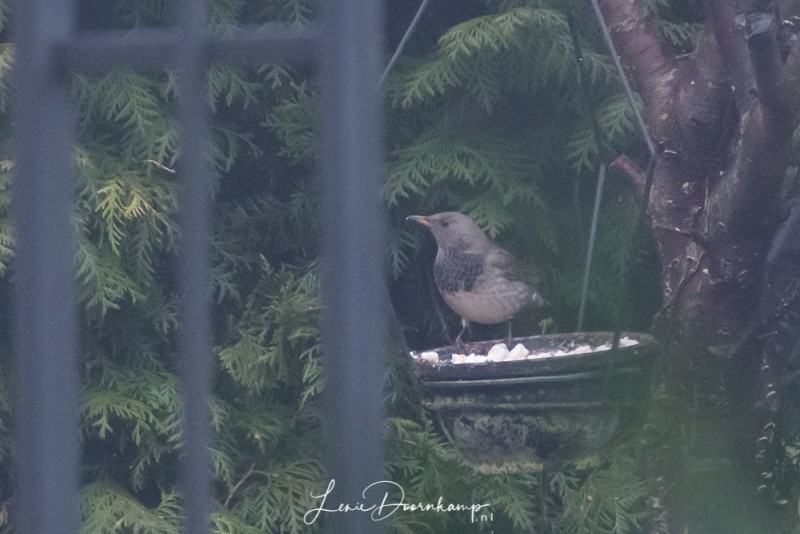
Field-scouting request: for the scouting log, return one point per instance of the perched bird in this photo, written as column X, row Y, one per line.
column 478, row 280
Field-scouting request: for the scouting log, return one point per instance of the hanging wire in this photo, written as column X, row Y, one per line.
column 403, row 42
column 587, row 96
column 648, row 185
column 628, row 92
column 587, row 101
column 601, row 179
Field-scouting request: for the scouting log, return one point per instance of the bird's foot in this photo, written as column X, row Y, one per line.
column 460, row 346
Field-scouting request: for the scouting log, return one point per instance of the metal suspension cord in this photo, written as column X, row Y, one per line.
column 628, row 92
column 403, row 41
column 601, row 178
column 639, row 120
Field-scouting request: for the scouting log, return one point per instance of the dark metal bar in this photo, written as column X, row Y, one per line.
column 194, row 338
column 46, row 379
column 155, row 48
column 269, row 43
column 354, row 318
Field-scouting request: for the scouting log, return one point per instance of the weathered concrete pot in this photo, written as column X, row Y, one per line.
column 524, row 415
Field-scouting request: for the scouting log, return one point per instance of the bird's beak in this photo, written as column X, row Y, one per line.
column 420, row 219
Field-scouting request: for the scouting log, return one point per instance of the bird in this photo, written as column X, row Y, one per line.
column 478, row 280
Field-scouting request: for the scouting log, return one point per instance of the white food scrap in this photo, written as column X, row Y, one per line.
column 501, row 353
column 430, row 356
column 498, row 353
column 475, row 358
column 519, row 352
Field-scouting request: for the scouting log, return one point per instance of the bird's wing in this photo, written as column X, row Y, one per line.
column 502, row 260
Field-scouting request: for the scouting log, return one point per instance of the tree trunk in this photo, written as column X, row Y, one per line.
column 722, row 120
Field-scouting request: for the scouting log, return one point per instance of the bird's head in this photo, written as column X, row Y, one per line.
column 454, row 231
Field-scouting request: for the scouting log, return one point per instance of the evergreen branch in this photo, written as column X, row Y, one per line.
column 299, row 13
column 612, row 500
column 6, row 63
column 107, row 508
column 228, row 85
column 293, row 121
column 227, row 522
column 532, row 42
column 104, row 282
column 146, row 399
column 284, row 500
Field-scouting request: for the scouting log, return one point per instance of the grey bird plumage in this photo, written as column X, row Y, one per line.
column 478, row 280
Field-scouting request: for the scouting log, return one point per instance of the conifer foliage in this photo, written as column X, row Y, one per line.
column 487, row 115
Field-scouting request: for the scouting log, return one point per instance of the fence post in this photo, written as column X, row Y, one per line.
column 45, row 364
column 354, row 322
column 194, row 265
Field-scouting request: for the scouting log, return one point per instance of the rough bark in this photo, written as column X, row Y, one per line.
column 722, row 119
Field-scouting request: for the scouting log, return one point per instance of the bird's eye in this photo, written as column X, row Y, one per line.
column 445, row 223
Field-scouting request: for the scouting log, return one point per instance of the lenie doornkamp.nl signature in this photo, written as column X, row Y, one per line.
column 381, row 500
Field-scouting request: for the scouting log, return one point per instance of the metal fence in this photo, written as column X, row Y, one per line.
column 347, row 46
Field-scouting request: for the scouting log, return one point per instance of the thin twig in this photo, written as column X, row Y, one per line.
column 160, row 165
column 250, row 472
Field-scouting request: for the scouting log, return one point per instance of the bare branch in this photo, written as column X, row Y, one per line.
column 744, row 198
column 748, row 44
column 762, row 41
column 250, row 472
column 635, row 174
column 761, row 68
column 728, row 29
column 705, row 112
column 790, row 76
column 787, row 239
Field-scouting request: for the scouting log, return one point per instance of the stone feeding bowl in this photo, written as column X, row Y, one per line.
column 560, row 405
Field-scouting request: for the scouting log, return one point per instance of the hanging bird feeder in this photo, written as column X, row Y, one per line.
column 559, row 405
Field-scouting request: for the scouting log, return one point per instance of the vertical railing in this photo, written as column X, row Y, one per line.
column 354, row 313
column 46, row 381
column 45, row 366
column 194, row 266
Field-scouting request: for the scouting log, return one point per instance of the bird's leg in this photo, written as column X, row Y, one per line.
column 508, row 338
column 459, row 345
